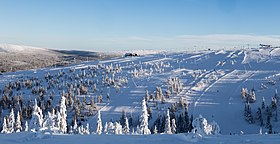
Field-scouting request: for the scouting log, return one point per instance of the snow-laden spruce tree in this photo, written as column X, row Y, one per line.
column 111, row 128
column 173, row 126
column 75, row 127
column 11, row 122
column 63, row 116
column 4, row 127
column 49, row 123
column 155, row 130
column 37, row 118
column 126, row 126
column 18, row 123
column 106, row 128
column 87, row 131
column 144, row 123
column 99, row 124
column 26, row 126
column 118, row 128
column 167, row 127
column 202, row 127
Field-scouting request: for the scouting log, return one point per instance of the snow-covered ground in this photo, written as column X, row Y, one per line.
column 32, row 138
column 212, row 83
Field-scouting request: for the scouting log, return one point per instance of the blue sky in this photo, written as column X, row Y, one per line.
column 106, row 25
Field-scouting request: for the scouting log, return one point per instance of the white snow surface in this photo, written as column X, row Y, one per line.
column 212, row 83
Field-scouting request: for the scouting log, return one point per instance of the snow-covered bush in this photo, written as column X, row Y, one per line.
column 201, row 126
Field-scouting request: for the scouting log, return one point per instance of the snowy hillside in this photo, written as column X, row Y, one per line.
column 10, row 48
column 236, row 92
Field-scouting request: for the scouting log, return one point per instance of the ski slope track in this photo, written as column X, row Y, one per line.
column 212, row 82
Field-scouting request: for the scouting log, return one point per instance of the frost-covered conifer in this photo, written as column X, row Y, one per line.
column 75, row 127
column 118, row 128
column 155, row 130
column 11, row 122
column 173, row 126
column 106, row 128
column 87, row 131
column 144, row 124
column 99, row 124
column 26, row 126
column 126, row 126
column 18, row 123
column 37, row 118
column 4, row 127
column 167, row 124
column 63, row 115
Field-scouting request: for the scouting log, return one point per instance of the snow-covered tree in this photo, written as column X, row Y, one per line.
column 75, row 127
column 4, row 127
column 87, row 131
column 99, row 123
column 37, row 118
column 26, row 126
column 173, row 126
column 167, row 124
column 63, row 116
column 144, row 124
column 155, row 130
column 111, row 128
column 201, row 126
column 106, row 128
column 118, row 128
column 11, row 122
column 18, row 123
column 49, row 122
column 126, row 126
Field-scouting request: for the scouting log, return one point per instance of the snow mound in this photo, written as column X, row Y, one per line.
column 202, row 127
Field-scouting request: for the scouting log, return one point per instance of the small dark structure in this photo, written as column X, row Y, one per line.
column 131, row 55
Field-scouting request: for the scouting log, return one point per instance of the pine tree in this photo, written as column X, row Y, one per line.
column 155, row 130
column 273, row 103
column 122, row 120
column 130, row 120
column 111, row 128
column 75, row 127
column 26, row 126
column 118, row 128
column 11, row 122
column 49, row 121
column 63, row 115
column 259, row 116
column 37, row 118
column 99, row 123
column 4, row 127
column 167, row 124
column 144, row 128
column 18, row 123
column 87, row 131
column 126, row 126
column 150, row 113
column 187, row 122
column 173, row 126
column 106, row 128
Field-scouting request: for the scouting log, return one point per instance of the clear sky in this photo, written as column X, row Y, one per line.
column 106, row 25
